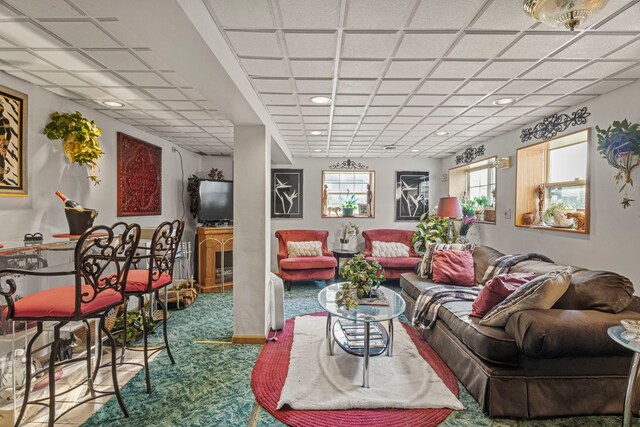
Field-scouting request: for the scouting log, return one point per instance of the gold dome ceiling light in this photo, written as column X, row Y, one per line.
column 570, row 14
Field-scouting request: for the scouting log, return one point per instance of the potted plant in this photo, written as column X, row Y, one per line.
column 620, row 145
column 79, row 139
column 134, row 326
column 348, row 205
column 481, row 203
column 350, row 230
column 431, row 229
column 193, row 188
column 468, row 207
column 555, row 215
column 363, row 280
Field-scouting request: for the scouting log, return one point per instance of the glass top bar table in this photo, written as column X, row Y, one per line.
column 365, row 317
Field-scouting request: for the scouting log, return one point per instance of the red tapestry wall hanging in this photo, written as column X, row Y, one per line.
column 139, row 177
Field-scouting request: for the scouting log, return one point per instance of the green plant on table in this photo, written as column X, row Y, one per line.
column 134, row 326
column 363, row 279
column 481, row 202
column 620, row 145
column 431, row 229
column 79, row 139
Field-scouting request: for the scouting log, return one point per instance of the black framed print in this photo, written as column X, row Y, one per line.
column 286, row 193
column 412, row 195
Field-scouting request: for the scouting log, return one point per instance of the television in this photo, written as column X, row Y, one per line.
column 216, row 201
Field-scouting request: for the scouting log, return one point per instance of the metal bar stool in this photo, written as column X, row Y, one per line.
column 101, row 265
column 149, row 282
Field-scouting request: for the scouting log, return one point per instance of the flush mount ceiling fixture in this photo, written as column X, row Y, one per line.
column 115, row 104
column 316, row 133
column 569, row 14
column 320, row 100
column 504, row 101
column 442, row 133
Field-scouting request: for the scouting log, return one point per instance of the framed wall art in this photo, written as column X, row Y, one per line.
column 286, row 193
column 13, row 142
column 412, row 195
column 139, row 177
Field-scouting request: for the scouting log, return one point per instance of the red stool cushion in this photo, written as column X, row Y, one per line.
column 60, row 302
column 138, row 281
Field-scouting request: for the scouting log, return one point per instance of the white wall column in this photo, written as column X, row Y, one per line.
column 251, row 248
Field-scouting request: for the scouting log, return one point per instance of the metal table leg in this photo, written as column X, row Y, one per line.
column 390, row 343
column 365, row 370
column 631, row 385
column 328, row 335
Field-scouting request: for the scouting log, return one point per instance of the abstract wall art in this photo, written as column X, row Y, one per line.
column 13, row 142
column 286, row 193
column 412, row 195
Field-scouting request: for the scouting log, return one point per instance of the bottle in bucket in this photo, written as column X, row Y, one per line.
column 68, row 202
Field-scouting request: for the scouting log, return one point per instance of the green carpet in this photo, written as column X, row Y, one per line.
column 210, row 384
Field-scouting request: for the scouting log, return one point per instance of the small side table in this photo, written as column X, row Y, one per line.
column 615, row 332
column 339, row 253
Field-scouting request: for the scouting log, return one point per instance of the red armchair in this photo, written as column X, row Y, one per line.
column 393, row 267
column 304, row 268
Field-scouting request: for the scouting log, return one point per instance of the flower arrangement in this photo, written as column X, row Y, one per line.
column 364, row 278
column 79, row 139
column 350, row 230
column 467, row 223
column 620, row 145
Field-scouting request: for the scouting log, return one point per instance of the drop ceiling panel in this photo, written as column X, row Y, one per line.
column 594, row 45
column 249, row 43
column 480, row 45
column 378, row 14
column 424, row 45
column 81, row 34
column 309, row 14
column 361, row 69
column 45, row 8
column 324, row 44
column 244, row 14
column 29, row 35
column 117, row 59
column 368, row 45
column 503, row 15
column 408, row 69
column 533, row 46
column 445, row 15
column 453, row 69
column 308, row 68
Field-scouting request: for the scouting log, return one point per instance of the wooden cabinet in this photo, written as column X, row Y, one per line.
column 215, row 259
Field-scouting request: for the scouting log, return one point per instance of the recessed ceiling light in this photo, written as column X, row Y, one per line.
column 320, row 100
column 442, row 133
column 113, row 103
column 315, row 133
column 414, row 151
column 504, row 101
column 317, row 150
column 390, row 147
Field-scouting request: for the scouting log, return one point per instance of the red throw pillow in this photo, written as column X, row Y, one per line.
column 497, row 290
column 453, row 268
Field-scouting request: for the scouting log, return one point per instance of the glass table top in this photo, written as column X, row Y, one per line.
column 624, row 338
column 364, row 313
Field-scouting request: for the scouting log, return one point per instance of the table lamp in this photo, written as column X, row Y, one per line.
column 449, row 207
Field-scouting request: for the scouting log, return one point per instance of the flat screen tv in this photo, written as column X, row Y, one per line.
column 216, row 201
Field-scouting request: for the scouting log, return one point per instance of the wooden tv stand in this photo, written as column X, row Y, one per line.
column 215, row 251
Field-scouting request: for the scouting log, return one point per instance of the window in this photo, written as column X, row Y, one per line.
column 552, row 186
column 567, row 175
column 346, row 194
column 476, row 181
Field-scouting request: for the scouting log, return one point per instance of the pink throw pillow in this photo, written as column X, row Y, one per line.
column 497, row 290
column 453, row 268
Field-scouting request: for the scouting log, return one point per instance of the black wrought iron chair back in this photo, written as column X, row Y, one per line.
column 145, row 285
column 102, row 258
column 164, row 248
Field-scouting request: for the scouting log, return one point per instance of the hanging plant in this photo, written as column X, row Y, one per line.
column 620, row 145
column 79, row 139
column 193, row 188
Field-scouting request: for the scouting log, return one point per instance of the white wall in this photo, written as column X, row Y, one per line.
column 385, row 169
column 48, row 171
column 615, row 232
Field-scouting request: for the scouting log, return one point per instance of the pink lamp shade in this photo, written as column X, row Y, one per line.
column 449, row 207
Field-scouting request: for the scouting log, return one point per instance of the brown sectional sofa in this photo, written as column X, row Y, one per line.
column 544, row 363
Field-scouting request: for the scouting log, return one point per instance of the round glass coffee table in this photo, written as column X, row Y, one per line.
column 628, row 340
column 359, row 332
